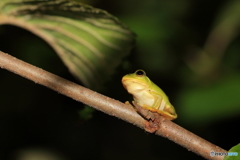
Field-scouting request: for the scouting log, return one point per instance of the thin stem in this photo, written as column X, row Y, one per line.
column 108, row 105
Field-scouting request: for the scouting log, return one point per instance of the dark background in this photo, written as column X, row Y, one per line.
column 36, row 121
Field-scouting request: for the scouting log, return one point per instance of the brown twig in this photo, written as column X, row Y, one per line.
column 109, row 106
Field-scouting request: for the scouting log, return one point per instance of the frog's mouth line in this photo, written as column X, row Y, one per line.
column 133, row 81
column 133, row 86
column 128, row 82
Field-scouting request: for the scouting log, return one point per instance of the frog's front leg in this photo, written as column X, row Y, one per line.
column 152, row 118
column 144, row 111
column 159, row 103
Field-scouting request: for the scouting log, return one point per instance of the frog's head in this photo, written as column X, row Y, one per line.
column 136, row 81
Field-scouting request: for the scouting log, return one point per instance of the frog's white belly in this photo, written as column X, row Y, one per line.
column 143, row 97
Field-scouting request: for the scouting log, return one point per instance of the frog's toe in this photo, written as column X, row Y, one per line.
column 127, row 103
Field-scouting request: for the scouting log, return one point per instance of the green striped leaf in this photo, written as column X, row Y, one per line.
column 90, row 41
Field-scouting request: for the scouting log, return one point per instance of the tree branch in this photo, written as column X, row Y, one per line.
column 109, row 106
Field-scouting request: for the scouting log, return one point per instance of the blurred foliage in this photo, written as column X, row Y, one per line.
column 235, row 156
column 90, row 41
column 189, row 48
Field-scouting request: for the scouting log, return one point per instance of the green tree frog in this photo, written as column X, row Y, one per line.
column 148, row 95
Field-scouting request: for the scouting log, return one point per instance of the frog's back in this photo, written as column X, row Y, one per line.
column 160, row 92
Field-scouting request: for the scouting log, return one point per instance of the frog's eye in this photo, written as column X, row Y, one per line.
column 140, row 73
